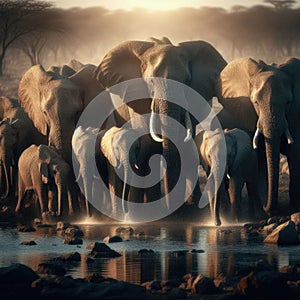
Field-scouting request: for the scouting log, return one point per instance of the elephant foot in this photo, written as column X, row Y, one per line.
column 218, row 222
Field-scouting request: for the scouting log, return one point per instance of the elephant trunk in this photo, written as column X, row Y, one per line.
column 60, row 138
column 5, row 180
column 126, row 185
column 62, row 196
column 272, row 131
column 214, row 181
column 87, row 185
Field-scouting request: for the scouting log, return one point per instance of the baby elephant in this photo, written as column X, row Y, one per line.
column 42, row 169
column 240, row 161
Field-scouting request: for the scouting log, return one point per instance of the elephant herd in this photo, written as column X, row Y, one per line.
column 259, row 120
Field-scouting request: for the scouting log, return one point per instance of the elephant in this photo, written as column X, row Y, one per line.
column 241, row 167
column 264, row 100
column 121, row 148
column 193, row 63
column 42, row 168
column 86, row 151
column 17, row 132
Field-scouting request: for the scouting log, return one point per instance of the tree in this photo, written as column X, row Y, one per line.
column 14, row 15
column 279, row 4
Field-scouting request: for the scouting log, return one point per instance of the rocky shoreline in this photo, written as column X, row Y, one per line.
column 258, row 281
column 50, row 281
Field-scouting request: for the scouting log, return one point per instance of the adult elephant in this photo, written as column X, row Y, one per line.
column 54, row 104
column 258, row 98
column 195, row 63
column 17, row 132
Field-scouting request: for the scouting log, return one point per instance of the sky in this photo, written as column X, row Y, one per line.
column 155, row 4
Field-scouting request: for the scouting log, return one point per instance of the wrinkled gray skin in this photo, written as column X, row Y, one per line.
column 264, row 100
column 17, row 132
column 41, row 168
column 241, row 167
column 195, row 63
column 86, row 150
column 121, row 149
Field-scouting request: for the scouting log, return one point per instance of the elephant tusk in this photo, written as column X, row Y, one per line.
column 154, row 136
column 189, row 127
column 255, row 138
column 188, row 135
column 136, row 166
column 289, row 137
column 228, row 176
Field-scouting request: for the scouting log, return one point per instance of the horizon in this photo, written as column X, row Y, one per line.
column 157, row 4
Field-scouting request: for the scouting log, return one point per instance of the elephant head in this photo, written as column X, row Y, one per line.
column 55, row 103
column 54, row 170
column 8, row 141
column 194, row 63
column 258, row 97
column 121, row 148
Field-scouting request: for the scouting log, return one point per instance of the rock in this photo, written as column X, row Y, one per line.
column 101, row 250
column 263, row 284
column 62, row 225
column 112, row 239
column 203, row 285
column 73, row 231
column 197, row 251
column 25, row 228
column 284, row 234
column 51, row 269
column 72, row 256
column 296, row 219
column 29, row 243
column 17, row 273
column 155, row 285
column 73, row 241
column 124, row 231
column 269, row 228
column 145, row 251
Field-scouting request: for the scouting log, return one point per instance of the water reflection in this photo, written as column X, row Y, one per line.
column 225, row 251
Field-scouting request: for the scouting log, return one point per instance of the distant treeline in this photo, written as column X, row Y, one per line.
column 87, row 34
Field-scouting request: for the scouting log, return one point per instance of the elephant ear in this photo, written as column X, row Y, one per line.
column 206, row 63
column 108, row 148
column 44, row 171
column 291, row 67
column 236, row 78
column 30, row 93
column 234, row 89
column 122, row 63
column 85, row 80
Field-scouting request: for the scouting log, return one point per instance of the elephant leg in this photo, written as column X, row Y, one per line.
column 235, row 191
column 255, row 207
column 21, row 195
column 42, row 194
column 293, row 158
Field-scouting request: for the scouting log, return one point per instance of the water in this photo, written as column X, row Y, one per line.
column 224, row 251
